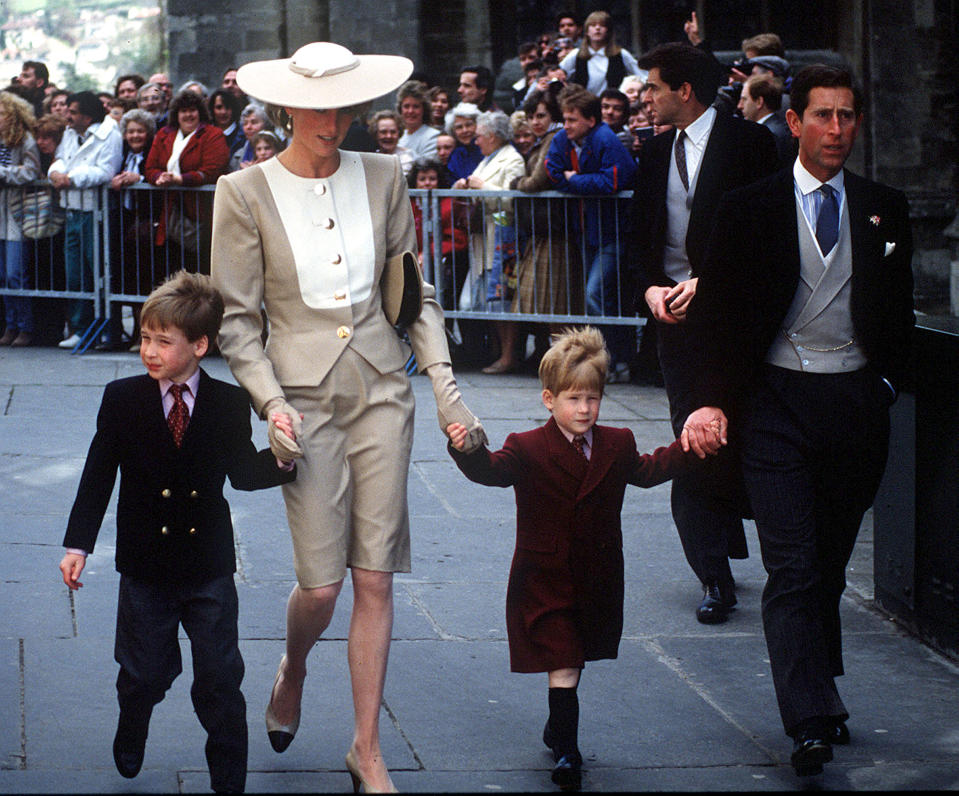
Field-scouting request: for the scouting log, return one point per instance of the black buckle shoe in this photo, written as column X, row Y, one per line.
column 568, row 771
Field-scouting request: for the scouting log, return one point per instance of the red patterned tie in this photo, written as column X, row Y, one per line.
column 179, row 415
column 578, row 443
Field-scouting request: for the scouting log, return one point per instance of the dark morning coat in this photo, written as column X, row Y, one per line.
column 738, row 152
column 753, row 266
column 173, row 523
column 564, row 602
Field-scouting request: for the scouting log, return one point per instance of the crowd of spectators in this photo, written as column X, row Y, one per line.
column 491, row 132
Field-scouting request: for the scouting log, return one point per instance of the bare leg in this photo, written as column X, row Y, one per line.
column 369, row 647
column 506, row 331
column 308, row 614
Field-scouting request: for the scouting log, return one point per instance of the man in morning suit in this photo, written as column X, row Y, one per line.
column 682, row 175
column 806, row 291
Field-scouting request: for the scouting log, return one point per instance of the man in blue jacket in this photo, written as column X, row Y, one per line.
column 587, row 158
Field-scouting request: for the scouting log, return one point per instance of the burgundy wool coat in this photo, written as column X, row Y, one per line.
column 564, row 602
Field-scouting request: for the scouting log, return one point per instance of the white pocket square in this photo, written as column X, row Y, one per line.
column 890, row 248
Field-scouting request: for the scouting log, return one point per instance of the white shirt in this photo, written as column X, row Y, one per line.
column 697, row 137
column 810, row 197
column 422, row 143
column 596, row 67
column 330, row 230
column 92, row 163
column 587, row 440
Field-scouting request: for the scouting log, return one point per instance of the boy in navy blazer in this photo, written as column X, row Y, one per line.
column 564, row 602
column 175, row 434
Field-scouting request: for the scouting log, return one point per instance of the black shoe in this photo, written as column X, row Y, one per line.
column 838, row 734
column 568, row 771
column 811, row 748
column 129, row 743
column 718, row 601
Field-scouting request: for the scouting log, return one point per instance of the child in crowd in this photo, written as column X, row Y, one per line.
column 564, row 601
column 175, row 433
column 265, row 146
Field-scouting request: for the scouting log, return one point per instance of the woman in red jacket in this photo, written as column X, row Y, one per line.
column 188, row 152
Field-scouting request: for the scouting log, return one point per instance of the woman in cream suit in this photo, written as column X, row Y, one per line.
column 307, row 235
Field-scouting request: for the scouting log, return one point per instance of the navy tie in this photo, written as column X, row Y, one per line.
column 827, row 225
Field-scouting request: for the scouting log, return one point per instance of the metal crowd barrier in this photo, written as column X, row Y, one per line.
column 492, row 255
column 534, row 246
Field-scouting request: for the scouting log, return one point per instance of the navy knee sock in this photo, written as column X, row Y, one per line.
column 564, row 719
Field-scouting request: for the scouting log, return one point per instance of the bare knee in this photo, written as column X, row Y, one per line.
column 372, row 588
column 317, row 600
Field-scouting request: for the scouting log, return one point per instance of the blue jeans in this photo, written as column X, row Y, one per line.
column 13, row 275
column 603, row 289
column 78, row 262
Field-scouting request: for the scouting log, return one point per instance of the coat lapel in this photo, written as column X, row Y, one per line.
column 562, row 453
column 601, row 459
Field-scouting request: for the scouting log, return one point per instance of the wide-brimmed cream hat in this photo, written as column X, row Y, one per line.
column 323, row 75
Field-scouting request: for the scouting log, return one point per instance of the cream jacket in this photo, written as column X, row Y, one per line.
column 253, row 267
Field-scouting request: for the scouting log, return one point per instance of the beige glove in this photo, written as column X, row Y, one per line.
column 284, row 448
column 450, row 407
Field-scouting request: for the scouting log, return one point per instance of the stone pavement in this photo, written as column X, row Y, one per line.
column 685, row 707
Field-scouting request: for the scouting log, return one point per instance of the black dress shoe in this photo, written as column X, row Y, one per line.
column 129, row 743
column 811, row 749
column 568, row 771
column 718, row 601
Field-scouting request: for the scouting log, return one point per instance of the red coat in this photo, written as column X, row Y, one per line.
column 564, row 602
column 202, row 161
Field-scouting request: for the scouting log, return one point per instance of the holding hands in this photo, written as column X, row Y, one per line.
column 457, row 433
column 704, row 431
column 285, row 424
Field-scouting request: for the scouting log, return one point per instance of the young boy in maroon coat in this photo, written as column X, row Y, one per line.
column 564, row 602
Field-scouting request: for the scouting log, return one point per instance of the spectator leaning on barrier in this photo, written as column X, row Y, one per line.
column 413, row 105
column 188, row 152
column 462, row 126
column 88, row 156
column 587, row 158
column 19, row 164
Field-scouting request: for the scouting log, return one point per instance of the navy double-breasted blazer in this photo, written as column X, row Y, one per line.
column 173, row 522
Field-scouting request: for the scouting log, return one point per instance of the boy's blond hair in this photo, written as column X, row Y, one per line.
column 577, row 359
column 187, row 301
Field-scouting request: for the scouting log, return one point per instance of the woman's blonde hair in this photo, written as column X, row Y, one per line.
column 601, row 18
column 20, row 118
column 577, row 358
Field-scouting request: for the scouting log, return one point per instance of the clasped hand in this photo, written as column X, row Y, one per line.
column 704, row 431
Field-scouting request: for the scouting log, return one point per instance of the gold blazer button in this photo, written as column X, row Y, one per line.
column 165, row 531
column 194, row 494
column 166, row 493
column 192, row 531
column 343, row 331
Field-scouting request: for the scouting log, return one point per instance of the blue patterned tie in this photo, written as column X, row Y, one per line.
column 827, row 225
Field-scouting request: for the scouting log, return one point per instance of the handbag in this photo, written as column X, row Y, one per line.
column 402, row 288
column 183, row 230
column 37, row 212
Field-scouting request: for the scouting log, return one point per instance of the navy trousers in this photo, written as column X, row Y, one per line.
column 813, row 451
column 147, row 649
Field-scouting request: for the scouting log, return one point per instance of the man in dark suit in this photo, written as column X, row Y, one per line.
column 682, row 175
column 806, row 291
column 761, row 102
